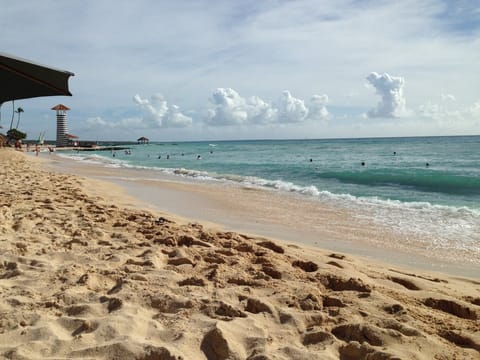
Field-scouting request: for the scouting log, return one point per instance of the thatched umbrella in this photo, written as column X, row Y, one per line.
column 143, row 140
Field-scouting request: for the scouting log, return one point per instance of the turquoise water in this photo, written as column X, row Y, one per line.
column 386, row 179
column 393, row 168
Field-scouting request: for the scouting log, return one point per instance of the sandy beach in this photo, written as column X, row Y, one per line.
column 88, row 271
column 278, row 215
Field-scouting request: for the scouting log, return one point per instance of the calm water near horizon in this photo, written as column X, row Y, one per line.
column 424, row 186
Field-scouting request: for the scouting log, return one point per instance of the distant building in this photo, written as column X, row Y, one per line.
column 143, row 140
column 62, row 127
column 72, row 140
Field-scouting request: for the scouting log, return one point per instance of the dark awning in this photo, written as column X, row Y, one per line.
column 23, row 79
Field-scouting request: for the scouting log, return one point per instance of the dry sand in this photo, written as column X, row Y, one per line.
column 84, row 276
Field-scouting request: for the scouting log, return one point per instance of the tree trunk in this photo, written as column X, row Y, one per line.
column 13, row 114
column 18, row 120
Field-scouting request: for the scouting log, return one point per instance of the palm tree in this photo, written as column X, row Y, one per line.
column 18, row 111
column 13, row 114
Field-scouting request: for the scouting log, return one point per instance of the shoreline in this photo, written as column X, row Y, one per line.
column 87, row 271
column 306, row 222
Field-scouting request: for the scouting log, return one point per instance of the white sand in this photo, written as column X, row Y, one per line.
column 84, row 276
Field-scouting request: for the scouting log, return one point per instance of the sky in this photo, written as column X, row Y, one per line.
column 249, row 69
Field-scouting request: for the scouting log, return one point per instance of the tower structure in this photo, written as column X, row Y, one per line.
column 62, row 127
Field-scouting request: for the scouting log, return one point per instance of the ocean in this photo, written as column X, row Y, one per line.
column 419, row 186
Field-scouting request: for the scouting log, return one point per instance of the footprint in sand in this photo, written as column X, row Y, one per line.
column 451, row 307
column 192, row 281
column 112, row 303
column 307, row 266
column 336, row 283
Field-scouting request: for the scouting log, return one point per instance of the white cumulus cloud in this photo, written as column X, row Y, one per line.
column 390, row 89
column 291, row 109
column 126, row 123
column 229, row 108
column 442, row 112
column 260, row 111
column 474, row 110
column 158, row 113
column 317, row 108
column 97, row 121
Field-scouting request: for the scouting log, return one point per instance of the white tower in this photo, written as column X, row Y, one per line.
column 62, row 127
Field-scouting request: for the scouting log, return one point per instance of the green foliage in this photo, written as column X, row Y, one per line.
column 14, row 134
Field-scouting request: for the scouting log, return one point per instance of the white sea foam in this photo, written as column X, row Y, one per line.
column 445, row 227
column 201, row 175
column 94, row 159
column 442, row 227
